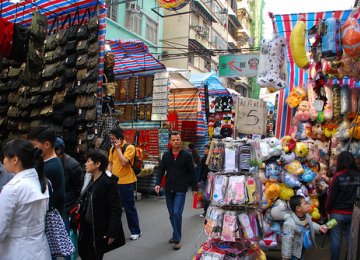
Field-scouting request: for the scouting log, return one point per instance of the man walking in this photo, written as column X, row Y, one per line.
column 73, row 179
column 121, row 159
column 180, row 171
column 44, row 138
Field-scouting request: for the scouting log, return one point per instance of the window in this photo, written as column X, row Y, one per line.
column 133, row 22
column 191, row 57
column 151, row 30
column 112, row 10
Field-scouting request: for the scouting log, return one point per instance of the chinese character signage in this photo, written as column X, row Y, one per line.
column 251, row 115
column 239, row 65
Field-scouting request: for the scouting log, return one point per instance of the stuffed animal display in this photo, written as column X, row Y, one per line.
column 272, row 68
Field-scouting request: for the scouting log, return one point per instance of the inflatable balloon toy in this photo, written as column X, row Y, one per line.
column 351, row 37
column 272, row 71
column 331, row 39
column 297, row 94
column 297, row 44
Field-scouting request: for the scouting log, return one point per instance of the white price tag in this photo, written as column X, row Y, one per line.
column 319, row 105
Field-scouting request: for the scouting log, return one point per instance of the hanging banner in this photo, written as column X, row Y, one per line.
column 251, row 116
column 239, row 65
column 173, row 5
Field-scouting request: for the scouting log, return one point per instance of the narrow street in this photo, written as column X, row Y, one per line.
column 156, row 229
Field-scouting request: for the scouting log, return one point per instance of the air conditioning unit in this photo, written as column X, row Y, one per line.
column 134, row 8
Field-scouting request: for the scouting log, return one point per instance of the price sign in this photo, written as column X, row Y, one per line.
column 250, row 116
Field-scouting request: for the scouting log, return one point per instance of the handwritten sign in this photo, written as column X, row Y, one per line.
column 250, row 116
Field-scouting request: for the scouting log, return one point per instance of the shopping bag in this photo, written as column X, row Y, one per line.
column 198, row 202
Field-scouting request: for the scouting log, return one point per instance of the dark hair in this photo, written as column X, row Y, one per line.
column 295, row 201
column 346, row 160
column 191, row 146
column 174, row 133
column 118, row 132
column 206, row 146
column 29, row 156
column 97, row 155
column 43, row 134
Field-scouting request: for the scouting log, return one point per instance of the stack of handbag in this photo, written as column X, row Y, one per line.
column 57, row 86
column 133, row 98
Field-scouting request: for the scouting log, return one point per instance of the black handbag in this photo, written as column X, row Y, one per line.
column 59, row 84
column 71, row 60
column 47, row 87
column 70, row 74
column 93, row 36
column 81, row 61
column 69, row 122
column 83, row 32
column 82, row 47
column 63, row 33
column 91, row 87
column 92, row 62
column 50, row 42
column 92, row 75
column 50, row 71
column 93, row 49
column 70, row 47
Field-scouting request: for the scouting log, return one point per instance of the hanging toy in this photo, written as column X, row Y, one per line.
column 351, row 37
column 344, row 100
column 353, row 102
column 297, row 94
column 312, row 97
column 331, row 39
column 297, row 44
column 336, row 100
column 328, row 108
column 272, row 67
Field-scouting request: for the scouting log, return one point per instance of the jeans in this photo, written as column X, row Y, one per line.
column 175, row 202
column 203, row 185
column 343, row 221
column 128, row 202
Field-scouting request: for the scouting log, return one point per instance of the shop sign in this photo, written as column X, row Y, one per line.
column 250, row 116
column 158, row 117
column 161, row 75
column 239, row 65
column 161, row 82
column 160, row 97
column 173, row 5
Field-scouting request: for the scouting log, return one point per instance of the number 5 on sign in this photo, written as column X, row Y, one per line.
column 251, row 116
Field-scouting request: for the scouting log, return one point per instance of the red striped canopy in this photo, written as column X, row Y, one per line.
column 133, row 57
column 284, row 24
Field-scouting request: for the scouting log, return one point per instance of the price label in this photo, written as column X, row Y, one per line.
column 251, row 116
column 319, row 105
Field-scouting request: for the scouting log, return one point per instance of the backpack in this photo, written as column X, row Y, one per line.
column 137, row 166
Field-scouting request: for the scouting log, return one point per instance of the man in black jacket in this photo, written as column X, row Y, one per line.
column 73, row 179
column 180, row 171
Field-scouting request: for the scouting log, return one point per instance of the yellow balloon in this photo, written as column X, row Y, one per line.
column 297, row 45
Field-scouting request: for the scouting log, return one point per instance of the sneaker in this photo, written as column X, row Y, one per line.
column 135, row 236
column 172, row 241
column 202, row 215
column 177, row 246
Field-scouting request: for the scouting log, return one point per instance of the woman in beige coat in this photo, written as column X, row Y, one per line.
column 23, row 204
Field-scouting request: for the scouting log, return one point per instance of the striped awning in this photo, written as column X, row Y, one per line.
column 284, row 24
column 133, row 57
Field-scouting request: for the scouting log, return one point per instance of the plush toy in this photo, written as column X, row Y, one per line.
column 279, row 211
column 328, row 108
column 302, row 113
column 301, row 149
column 308, row 175
column 272, row 74
column 315, row 214
column 297, row 44
column 294, row 168
column 270, row 147
column 310, row 154
column 330, row 130
column 317, row 131
column 321, row 151
column 355, row 129
column 285, row 192
column 351, row 37
column 311, row 98
column 353, row 102
column 269, row 239
column 272, row 170
column 288, row 143
column 291, row 180
column 336, row 100
column 286, row 158
column 296, row 95
column 272, row 192
column 343, row 131
column 344, row 100
column 301, row 131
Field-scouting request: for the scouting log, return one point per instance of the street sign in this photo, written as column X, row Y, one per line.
column 239, row 65
column 250, row 116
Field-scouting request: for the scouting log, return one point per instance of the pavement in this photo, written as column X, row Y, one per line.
column 156, row 231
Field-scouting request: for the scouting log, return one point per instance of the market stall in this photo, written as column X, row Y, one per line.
column 55, row 78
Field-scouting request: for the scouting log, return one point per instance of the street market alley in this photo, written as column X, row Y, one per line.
column 156, row 229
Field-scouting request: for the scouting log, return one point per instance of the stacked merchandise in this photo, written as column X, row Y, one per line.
column 133, row 98
column 57, row 84
column 233, row 221
column 221, row 116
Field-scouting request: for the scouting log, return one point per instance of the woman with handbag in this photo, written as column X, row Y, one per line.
column 100, row 223
column 23, row 204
